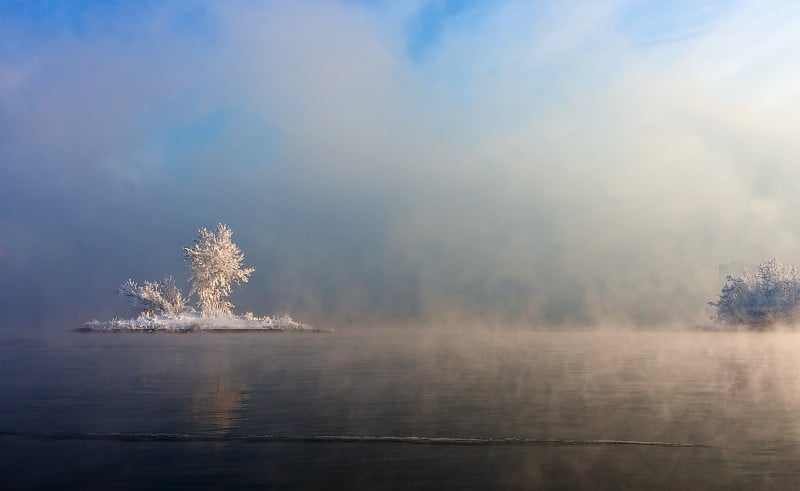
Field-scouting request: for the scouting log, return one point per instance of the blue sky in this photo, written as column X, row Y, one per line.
column 528, row 162
column 423, row 23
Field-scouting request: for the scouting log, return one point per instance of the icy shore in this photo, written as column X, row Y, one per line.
column 194, row 321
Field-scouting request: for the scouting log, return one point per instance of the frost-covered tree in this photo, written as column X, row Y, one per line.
column 216, row 264
column 771, row 295
column 155, row 297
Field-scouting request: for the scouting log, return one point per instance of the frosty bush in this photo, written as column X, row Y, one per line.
column 216, row 264
column 772, row 295
column 155, row 298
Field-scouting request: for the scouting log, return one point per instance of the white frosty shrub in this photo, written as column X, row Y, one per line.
column 770, row 296
column 216, row 264
column 155, row 297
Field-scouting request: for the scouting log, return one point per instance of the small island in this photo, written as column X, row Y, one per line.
column 216, row 265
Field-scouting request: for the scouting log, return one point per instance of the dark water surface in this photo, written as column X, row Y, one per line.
column 736, row 393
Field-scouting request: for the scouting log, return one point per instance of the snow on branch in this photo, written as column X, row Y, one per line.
column 156, row 297
column 216, row 264
column 770, row 296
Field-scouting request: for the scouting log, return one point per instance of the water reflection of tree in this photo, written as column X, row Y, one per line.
column 218, row 394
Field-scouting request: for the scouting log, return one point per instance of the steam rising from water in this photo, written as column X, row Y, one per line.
column 596, row 406
column 535, row 165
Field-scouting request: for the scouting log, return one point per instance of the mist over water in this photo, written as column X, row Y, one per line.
column 508, row 162
column 736, row 393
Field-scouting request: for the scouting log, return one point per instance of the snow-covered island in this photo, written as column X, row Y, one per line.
column 216, row 264
column 196, row 321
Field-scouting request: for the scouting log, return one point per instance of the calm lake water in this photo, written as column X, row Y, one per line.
column 737, row 393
